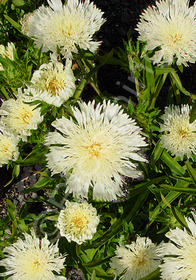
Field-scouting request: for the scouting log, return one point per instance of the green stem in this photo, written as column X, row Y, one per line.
column 80, row 88
column 160, row 83
column 137, row 86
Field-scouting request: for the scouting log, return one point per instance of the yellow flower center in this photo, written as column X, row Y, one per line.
column 94, row 149
column 5, row 149
column 26, row 117
column 36, row 265
column 54, row 86
column 80, row 222
column 176, row 37
column 183, row 132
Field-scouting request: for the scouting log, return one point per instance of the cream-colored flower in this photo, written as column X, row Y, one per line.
column 180, row 134
column 179, row 254
column 19, row 117
column 64, row 26
column 8, row 147
column 95, row 150
column 32, row 259
column 136, row 260
column 53, row 83
column 171, row 24
column 78, row 221
column 7, row 52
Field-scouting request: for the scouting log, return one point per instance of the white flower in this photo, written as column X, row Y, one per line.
column 78, row 221
column 64, row 26
column 180, row 134
column 32, row 259
column 53, row 83
column 171, row 24
column 8, row 147
column 179, row 254
column 19, row 117
column 7, row 52
column 136, row 260
column 96, row 150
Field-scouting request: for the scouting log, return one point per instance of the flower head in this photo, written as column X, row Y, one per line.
column 95, row 150
column 53, row 83
column 136, row 260
column 179, row 254
column 8, row 148
column 180, row 134
column 64, row 26
column 19, row 117
column 7, row 52
column 78, row 221
column 171, row 25
column 32, row 259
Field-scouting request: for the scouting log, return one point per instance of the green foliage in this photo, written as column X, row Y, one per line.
column 158, row 201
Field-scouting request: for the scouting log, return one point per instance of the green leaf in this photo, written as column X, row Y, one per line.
column 157, row 152
column 170, row 197
column 172, row 163
column 150, row 79
column 193, row 113
column 178, row 83
column 43, row 182
column 165, row 201
column 179, row 189
column 11, row 208
column 98, row 261
column 179, row 217
column 191, row 171
column 16, row 171
column 18, row 3
column 13, row 22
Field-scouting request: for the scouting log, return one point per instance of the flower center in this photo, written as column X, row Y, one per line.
column 26, row 117
column 176, row 37
column 5, row 149
column 36, row 265
column 94, row 149
column 183, row 132
column 80, row 222
column 54, row 86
